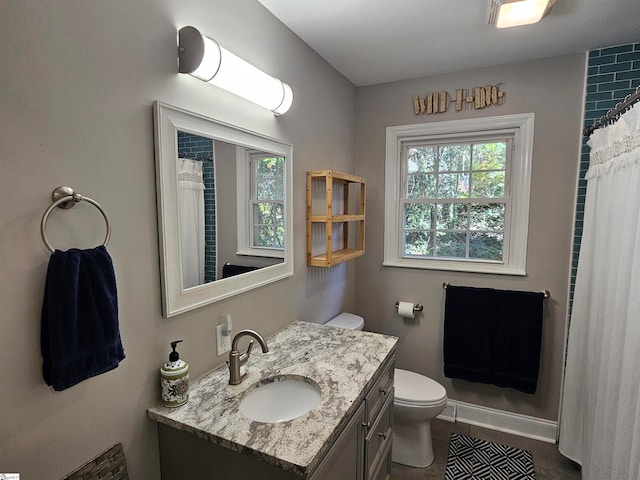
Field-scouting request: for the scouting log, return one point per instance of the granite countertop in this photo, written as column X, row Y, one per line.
column 344, row 364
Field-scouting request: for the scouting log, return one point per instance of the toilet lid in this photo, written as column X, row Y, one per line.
column 413, row 388
column 348, row 321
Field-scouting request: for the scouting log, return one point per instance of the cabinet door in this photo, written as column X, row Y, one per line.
column 345, row 458
column 383, row 471
column 378, row 442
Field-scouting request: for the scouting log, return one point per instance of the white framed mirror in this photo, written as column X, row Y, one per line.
column 224, row 208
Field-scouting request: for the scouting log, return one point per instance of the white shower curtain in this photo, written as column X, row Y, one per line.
column 191, row 219
column 600, row 415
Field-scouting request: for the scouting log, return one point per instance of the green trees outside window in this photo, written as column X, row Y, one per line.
column 455, row 201
column 268, row 202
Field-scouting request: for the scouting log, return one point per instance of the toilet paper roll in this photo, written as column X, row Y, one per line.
column 405, row 310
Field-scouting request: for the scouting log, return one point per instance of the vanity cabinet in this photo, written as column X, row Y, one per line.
column 346, row 456
column 347, row 436
column 333, row 215
column 363, row 450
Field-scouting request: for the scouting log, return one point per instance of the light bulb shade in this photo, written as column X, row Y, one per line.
column 513, row 13
column 203, row 58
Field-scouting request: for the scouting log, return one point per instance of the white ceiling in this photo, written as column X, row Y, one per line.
column 377, row 41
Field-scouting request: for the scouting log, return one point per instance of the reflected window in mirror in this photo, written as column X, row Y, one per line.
column 266, row 205
column 267, row 199
column 261, row 203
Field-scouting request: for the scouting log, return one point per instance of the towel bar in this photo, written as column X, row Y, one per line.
column 65, row 197
column 546, row 293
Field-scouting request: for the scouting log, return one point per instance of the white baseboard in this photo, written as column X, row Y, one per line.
column 514, row 423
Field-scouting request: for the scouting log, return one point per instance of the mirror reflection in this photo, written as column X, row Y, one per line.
column 223, row 213
column 210, row 180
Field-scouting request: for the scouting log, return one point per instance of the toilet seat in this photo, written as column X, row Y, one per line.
column 348, row 321
column 413, row 389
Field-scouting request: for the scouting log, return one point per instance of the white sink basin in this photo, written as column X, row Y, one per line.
column 280, row 399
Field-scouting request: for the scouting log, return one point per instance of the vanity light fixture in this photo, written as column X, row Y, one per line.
column 513, row 13
column 202, row 57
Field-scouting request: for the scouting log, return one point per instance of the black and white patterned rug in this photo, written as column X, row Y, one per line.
column 474, row 459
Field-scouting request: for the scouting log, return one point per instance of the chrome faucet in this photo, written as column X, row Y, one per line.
column 237, row 359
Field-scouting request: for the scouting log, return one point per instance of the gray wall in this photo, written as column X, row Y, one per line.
column 227, row 190
column 77, row 81
column 553, row 89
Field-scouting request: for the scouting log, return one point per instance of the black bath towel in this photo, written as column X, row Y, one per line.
column 229, row 270
column 79, row 335
column 493, row 336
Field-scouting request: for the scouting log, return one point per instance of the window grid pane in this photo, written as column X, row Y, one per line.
column 450, row 208
column 267, row 209
column 418, row 243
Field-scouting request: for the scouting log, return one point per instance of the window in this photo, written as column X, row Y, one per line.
column 267, row 201
column 454, row 202
column 457, row 195
column 261, row 215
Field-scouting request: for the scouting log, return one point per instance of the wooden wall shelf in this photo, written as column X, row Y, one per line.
column 322, row 213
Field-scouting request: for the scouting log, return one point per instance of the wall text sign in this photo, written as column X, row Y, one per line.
column 478, row 98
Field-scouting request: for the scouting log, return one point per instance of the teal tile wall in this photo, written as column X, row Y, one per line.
column 612, row 74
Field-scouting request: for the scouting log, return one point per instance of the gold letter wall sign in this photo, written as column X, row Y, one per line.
column 478, row 98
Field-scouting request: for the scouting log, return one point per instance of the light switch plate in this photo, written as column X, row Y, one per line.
column 223, row 342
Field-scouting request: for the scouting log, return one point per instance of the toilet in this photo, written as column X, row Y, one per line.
column 348, row 321
column 417, row 400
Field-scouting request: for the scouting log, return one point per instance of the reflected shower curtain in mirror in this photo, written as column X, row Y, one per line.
column 191, row 215
column 600, row 412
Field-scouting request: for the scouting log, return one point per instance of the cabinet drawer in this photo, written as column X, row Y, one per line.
column 380, row 392
column 379, row 437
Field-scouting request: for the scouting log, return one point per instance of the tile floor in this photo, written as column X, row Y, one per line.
column 548, row 462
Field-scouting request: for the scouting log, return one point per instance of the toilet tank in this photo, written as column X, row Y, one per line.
column 348, row 321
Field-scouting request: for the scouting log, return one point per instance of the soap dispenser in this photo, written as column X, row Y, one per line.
column 174, row 379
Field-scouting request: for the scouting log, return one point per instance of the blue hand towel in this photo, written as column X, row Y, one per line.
column 493, row 336
column 79, row 334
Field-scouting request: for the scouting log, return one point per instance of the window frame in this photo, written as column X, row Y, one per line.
column 520, row 127
column 246, row 197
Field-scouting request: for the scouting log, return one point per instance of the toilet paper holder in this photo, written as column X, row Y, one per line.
column 417, row 307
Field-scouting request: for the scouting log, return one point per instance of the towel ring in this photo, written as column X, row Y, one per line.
column 65, row 197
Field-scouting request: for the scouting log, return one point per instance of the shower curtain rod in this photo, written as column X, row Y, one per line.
column 195, row 156
column 614, row 112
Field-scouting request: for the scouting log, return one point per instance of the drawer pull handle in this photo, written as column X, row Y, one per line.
column 366, row 424
column 383, row 435
column 383, row 391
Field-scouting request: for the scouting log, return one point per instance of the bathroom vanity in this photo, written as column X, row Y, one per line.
column 347, row 435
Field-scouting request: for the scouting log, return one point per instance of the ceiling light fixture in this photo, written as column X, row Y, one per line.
column 202, row 57
column 513, row 13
